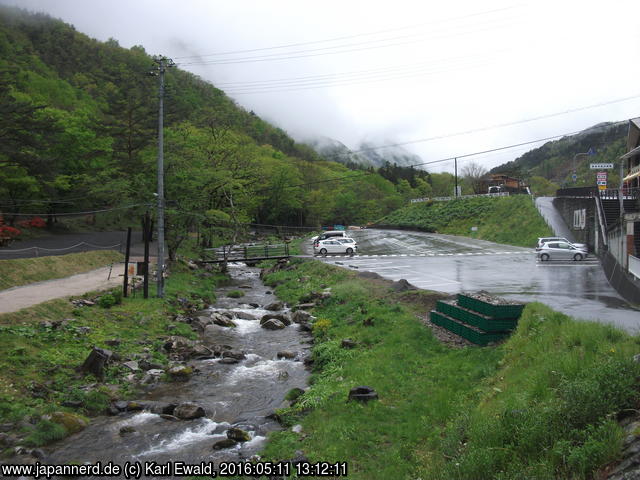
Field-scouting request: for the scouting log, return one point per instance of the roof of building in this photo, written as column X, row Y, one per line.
column 633, row 139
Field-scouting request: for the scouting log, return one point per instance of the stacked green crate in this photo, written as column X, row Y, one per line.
column 478, row 321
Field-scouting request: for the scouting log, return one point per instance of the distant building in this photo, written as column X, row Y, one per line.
column 504, row 183
column 631, row 159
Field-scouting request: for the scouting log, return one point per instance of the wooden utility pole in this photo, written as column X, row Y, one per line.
column 147, row 238
column 125, row 286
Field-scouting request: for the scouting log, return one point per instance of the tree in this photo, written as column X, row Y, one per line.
column 476, row 175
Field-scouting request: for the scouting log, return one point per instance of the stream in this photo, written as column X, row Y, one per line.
column 237, row 395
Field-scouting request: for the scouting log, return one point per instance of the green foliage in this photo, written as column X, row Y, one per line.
column 82, row 136
column 550, row 406
column 542, row 405
column 106, row 301
column 44, row 432
column 235, row 294
column 513, row 220
column 555, row 160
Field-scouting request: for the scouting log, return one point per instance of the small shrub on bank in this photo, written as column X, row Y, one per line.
column 106, row 301
column 44, row 432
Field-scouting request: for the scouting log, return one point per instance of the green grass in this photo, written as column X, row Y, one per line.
column 38, row 360
column 511, row 220
column 540, row 405
column 29, row 270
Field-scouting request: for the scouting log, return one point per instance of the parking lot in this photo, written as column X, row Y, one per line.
column 455, row 264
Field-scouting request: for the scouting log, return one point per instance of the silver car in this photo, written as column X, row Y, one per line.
column 543, row 240
column 560, row 251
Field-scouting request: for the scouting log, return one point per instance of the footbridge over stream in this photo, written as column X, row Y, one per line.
column 247, row 253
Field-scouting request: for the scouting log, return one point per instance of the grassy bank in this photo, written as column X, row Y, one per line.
column 512, row 220
column 42, row 347
column 23, row 271
column 541, row 405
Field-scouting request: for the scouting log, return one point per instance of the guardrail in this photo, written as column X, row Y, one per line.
column 634, row 266
column 43, row 249
column 446, row 199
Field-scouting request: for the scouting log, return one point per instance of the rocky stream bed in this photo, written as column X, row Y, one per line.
column 225, row 388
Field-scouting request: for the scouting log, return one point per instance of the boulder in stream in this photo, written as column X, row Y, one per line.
column 188, row 411
column 180, row 372
column 71, row 422
column 273, row 324
column 238, row 435
column 226, row 443
column 283, row 317
column 287, row 355
column 222, row 320
column 275, row 306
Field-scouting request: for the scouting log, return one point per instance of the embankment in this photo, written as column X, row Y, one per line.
column 544, row 404
column 512, row 220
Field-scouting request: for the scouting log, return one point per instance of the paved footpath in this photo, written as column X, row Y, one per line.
column 17, row 298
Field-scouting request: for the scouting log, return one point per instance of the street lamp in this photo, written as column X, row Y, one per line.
column 590, row 152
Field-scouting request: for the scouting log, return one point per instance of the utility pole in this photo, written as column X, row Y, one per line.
column 162, row 64
column 455, row 169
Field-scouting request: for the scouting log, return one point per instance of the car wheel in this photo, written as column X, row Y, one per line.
column 349, row 251
column 577, row 257
column 323, row 251
column 544, row 257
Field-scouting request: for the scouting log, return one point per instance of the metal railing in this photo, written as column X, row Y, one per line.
column 241, row 253
column 579, row 192
column 446, row 199
column 634, row 266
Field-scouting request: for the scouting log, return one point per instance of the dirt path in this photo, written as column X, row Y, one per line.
column 17, row 298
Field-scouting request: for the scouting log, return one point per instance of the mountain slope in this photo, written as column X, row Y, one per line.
column 554, row 161
column 79, row 133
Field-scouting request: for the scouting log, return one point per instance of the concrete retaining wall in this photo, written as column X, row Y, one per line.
column 624, row 283
column 567, row 206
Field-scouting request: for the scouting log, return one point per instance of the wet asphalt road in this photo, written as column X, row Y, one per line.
column 453, row 264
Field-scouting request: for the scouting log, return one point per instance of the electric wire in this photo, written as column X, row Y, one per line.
column 346, row 37
column 297, row 55
column 68, row 214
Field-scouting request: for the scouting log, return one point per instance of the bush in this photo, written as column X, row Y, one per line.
column 106, row 301
column 7, row 231
column 44, row 432
column 235, row 294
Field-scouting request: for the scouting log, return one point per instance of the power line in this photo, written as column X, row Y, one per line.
column 68, row 214
column 374, row 77
column 447, row 159
column 356, row 73
column 346, row 37
column 491, row 127
column 345, row 49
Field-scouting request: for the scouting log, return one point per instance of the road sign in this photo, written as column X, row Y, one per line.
column 601, row 166
column 574, row 177
column 601, row 180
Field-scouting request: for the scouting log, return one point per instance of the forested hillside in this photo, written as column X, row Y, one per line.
column 551, row 166
column 78, row 133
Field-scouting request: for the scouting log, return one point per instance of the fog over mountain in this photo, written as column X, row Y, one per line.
column 369, row 153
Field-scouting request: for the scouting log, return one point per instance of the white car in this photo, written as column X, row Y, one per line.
column 560, row 251
column 543, row 240
column 334, row 245
column 329, row 234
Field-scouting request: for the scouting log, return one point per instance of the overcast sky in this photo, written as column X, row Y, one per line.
column 444, row 78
